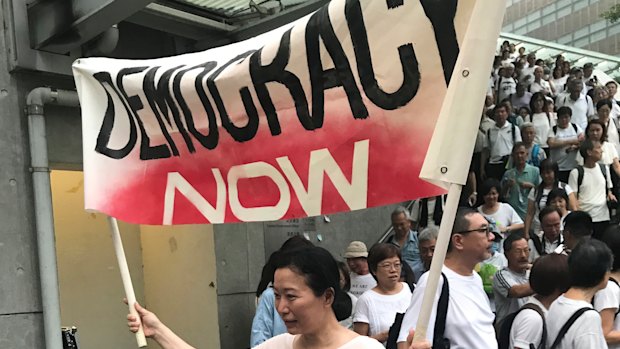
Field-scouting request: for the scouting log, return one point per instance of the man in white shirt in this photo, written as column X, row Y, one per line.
column 550, row 223
column 469, row 319
column 563, row 140
column 511, row 287
column 498, row 144
column 580, row 104
column 612, row 87
column 593, row 186
column 356, row 255
column 506, row 84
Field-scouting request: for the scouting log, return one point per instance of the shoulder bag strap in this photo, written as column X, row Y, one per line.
column 567, row 326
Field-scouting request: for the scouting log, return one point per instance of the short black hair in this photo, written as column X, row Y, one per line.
column 510, row 239
column 586, row 146
column 379, row 252
column 461, row 222
column 550, row 274
column 579, row 224
column 611, row 237
column 603, row 102
column 564, row 111
column 555, row 193
column 588, row 263
column 548, row 209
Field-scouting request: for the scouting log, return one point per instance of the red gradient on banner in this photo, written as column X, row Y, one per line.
column 395, row 157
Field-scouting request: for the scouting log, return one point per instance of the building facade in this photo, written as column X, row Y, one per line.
column 576, row 23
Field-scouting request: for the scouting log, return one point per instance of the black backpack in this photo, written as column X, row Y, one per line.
column 439, row 341
column 504, row 330
column 580, row 172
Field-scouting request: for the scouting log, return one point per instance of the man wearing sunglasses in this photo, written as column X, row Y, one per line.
column 469, row 319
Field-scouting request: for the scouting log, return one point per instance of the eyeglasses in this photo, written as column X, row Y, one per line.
column 389, row 266
column 485, row 230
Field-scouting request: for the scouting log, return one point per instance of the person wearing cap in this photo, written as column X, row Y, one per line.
column 511, row 287
column 356, row 255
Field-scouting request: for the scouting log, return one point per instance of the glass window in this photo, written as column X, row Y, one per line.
column 582, row 42
column 578, row 5
column 564, row 12
column 578, row 34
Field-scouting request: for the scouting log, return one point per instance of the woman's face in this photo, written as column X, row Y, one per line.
column 550, row 107
column 538, row 104
column 301, row 311
column 388, row 272
column 548, row 176
column 595, row 132
column 603, row 113
column 558, row 202
column 523, row 112
column 491, row 197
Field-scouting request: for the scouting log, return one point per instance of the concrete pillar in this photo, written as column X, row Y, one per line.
column 21, row 325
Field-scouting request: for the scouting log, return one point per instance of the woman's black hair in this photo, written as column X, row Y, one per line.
column 603, row 102
column 489, row 184
column 547, row 165
column 291, row 243
column 379, row 252
column 557, row 192
column 602, row 125
column 588, row 263
column 343, row 268
column 550, row 274
column 611, row 237
column 320, row 271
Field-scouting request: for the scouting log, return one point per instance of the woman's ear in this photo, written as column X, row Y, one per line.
column 330, row 295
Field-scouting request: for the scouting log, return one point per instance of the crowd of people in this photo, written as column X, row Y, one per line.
column 533, row 257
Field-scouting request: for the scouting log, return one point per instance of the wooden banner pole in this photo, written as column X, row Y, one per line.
column 126, row 277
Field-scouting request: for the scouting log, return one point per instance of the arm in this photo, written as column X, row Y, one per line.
column 484, row 157
column 573, row 203
column 607, row 319
column 520, row 291
column 155, row 329
column 572, row 182
column 363, row 328
column 263, row 322
column 531, row 210
column 471, row 182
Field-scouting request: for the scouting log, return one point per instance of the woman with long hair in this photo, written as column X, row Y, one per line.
column 541, row 119
column 538, row 198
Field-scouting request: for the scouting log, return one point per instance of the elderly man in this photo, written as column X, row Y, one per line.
column 356, row 255
column 580, row 104
column 468, row 317
column 550, row 223
column 427, row 241
column 510, row 285
column 406, row 239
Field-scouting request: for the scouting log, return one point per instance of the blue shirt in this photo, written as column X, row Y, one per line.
column 410, row 253
column 267, row 322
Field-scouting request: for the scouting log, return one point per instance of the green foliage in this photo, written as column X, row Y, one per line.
column 613, row 14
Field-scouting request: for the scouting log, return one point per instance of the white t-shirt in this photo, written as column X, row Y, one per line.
column 505, row 87
column 592, row 193
column 527, row 327
column 361, row 283
column 542, row 204
column 566, row 161
column 503, row 217
column 348, row 322
column 543, row 86
column 542, row 125
column 586, row 331
column 500, row 141
column 581, row 108
column 379, row 310
column 285, row 341
column 609, row 298
column 469, row 321
column 609, row 153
